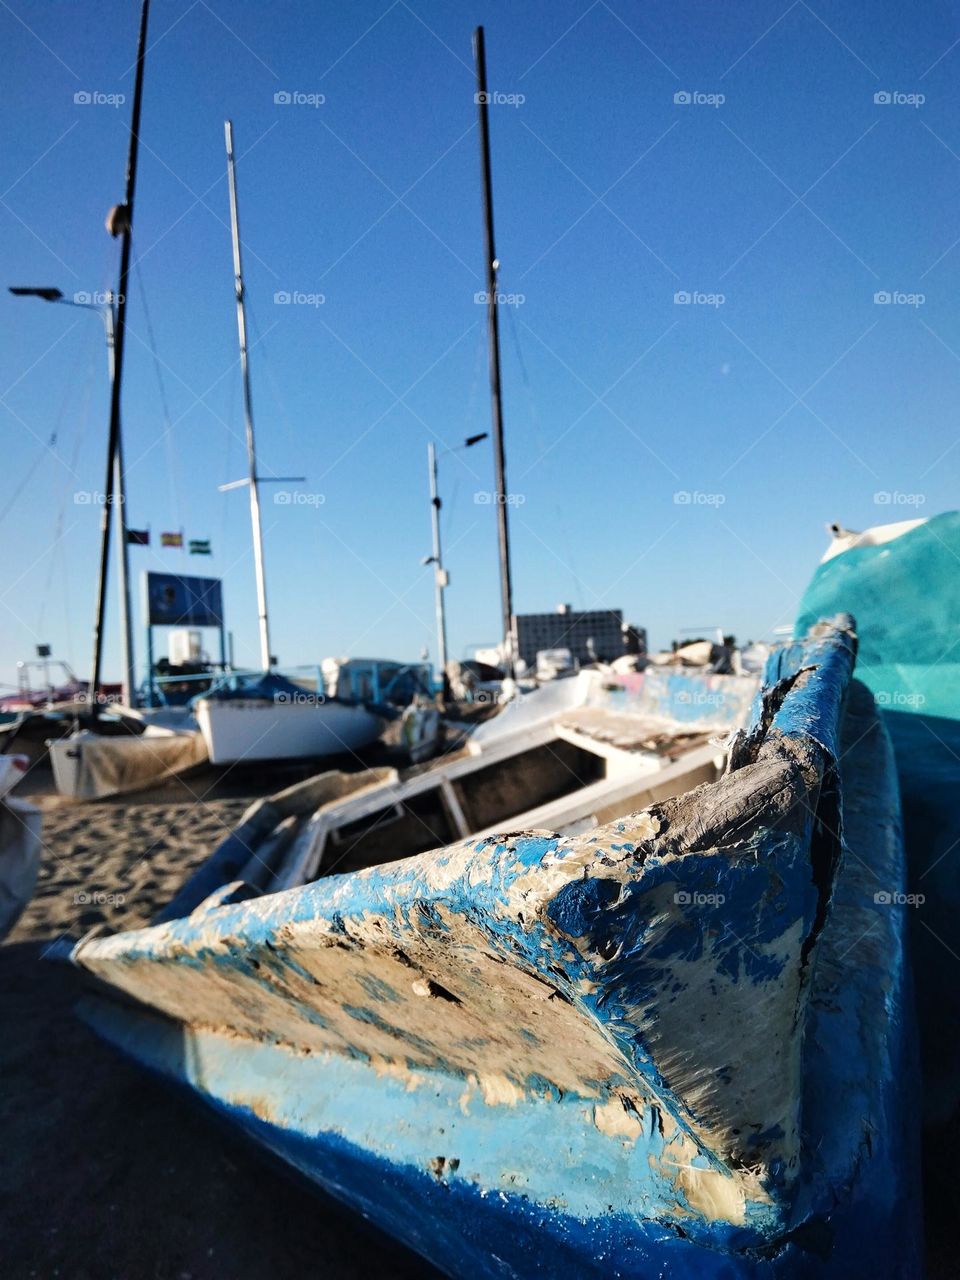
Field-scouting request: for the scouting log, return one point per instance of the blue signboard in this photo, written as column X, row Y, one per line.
column 175, row 601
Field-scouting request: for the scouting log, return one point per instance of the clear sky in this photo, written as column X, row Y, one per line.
column 782, row 197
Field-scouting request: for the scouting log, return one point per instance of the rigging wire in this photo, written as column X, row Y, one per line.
column 264, row 361
column 471, row 416
column 474, row 394
column 59, row 549
column 31, row 471
column 172, row 468
column 51, row 444
column 226, row 506
column 542, row 446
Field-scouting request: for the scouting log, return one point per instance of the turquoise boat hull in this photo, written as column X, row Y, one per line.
column 905, row 594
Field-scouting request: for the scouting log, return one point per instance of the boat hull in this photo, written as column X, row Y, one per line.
column 329, row 1121
column 88, row 766
column 677, row 1045
column 903, row 583
column 240, row 729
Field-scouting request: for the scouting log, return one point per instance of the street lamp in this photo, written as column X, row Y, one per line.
column 441, row 578
column 107, row 313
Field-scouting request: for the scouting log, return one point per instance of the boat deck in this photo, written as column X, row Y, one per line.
column 633, row 733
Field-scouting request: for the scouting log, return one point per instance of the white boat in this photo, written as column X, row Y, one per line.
column 877, row 535
column 565, row 764
column 274, row 719
column 89, row 765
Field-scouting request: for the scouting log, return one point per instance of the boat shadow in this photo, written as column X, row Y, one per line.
column 109, row 1172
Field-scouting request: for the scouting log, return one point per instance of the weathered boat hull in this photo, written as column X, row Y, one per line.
column 674, row 1046
column 249, row 730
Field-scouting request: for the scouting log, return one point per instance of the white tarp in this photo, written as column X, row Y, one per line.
column 106, row 766
column 544, row 703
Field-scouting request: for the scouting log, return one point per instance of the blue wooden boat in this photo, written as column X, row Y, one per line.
column 675, row 1045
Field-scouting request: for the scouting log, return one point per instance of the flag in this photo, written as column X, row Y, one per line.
column 200, row 546
column 138, row 537
column 171, row 539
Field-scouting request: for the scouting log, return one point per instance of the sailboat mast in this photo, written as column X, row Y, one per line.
column 254, row 483
column 120, row 222
column 493, row 338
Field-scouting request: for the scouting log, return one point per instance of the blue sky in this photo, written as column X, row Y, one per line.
column 782, row 198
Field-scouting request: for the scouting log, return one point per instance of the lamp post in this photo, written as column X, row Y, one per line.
column 107, row 313
column 440, row 576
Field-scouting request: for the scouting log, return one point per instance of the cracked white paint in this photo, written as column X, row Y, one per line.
column 618, row 1120
column 717, row 1196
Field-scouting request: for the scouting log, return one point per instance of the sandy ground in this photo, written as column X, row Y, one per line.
column 106, row 1174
